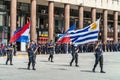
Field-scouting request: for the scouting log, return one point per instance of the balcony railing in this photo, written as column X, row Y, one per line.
column 2, row 7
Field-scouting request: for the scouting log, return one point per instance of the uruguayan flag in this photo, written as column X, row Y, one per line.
column 85, row 35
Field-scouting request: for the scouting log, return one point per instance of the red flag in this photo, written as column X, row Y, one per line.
column 64, row 39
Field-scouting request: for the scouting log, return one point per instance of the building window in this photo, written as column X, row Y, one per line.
column 116, row 0
column 23, row 7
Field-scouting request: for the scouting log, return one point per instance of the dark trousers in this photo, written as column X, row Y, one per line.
column 31, row 60
column 9, row 58
column 51, row 55
column 14, row 52
column 74, row 57
column 100, row 60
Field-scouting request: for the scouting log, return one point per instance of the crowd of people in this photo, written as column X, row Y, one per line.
column 50, row 48
column 83, row 48
column 3, row 49
column 66, row 48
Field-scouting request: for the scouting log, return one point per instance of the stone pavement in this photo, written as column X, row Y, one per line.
column 60, row 69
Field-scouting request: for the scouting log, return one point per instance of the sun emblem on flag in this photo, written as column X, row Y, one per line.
column 93, row 26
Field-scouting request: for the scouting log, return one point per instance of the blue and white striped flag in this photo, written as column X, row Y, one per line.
column 85, row 35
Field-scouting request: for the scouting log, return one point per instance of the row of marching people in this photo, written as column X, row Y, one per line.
column 32, row 49
column 3, row 49
column 67, row 48
column 64, row 48
column 83, row 48
column 97, row 48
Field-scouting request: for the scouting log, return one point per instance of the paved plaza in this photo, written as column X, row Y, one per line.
column 60, row 69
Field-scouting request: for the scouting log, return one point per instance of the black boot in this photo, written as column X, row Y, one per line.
column 77, row 65
column 48, row 59
column 34, row 67
column 94, row 67
column 102, row 69
column 11, row 63
column 93, row 70
column 71, row 61
column 6, row 63
column 51, row 60
column 28, row 67
column 70, row 64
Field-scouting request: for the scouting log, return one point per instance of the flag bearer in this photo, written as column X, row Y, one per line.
column 32, row 49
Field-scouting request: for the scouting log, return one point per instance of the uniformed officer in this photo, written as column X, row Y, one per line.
column 32, row 49
column 15, row 49
column 74, row 53
column 98, row 57
column 51, row 50
column 9, row 49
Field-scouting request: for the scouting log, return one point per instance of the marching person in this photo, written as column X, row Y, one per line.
column 98, row 57
column 9, row 49
column 15, row 49
column 74, row 53
column 51, row 50
column 32, row 49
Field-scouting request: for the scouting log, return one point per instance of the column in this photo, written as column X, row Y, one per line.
column 67, row 16
column 51, row 20
column 115, row 26
column 33, row 20
column 81, row 16
column 105, row 24
column 13, row 12
column 93, row 15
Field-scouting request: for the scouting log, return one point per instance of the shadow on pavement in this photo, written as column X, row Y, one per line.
column 58, row 68
column 44, row 61
column 63, row 65
column 2, row 64
column 90, row 71
column 23, row 68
